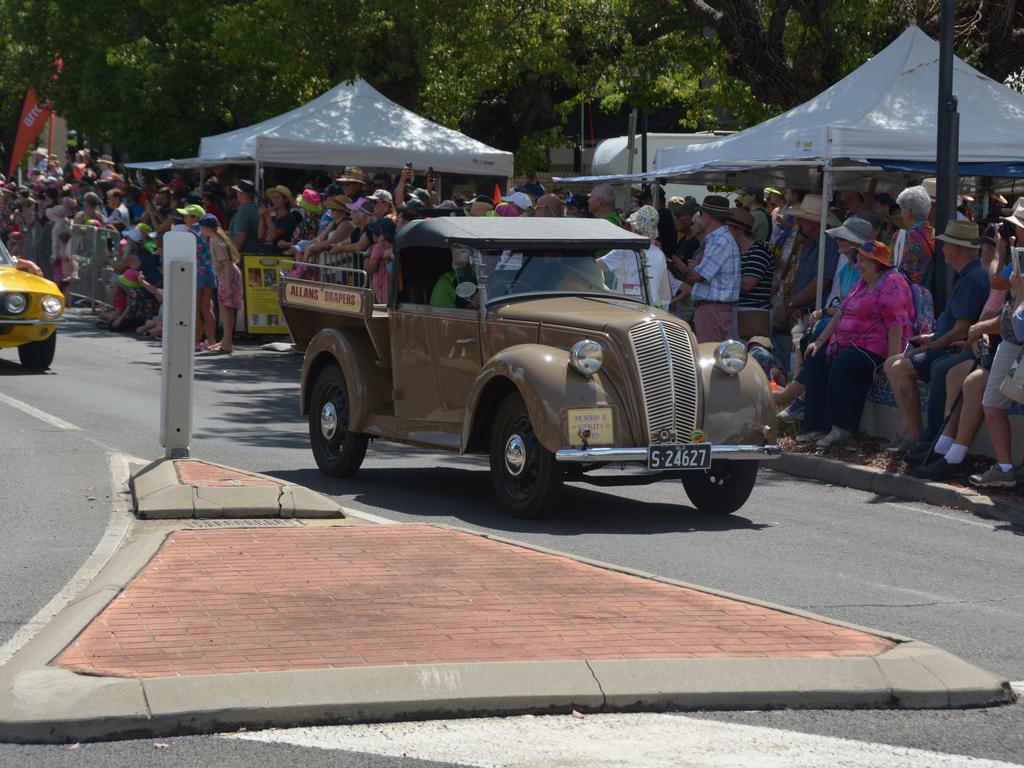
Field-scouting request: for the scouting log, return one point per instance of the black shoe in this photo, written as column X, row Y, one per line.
column 942, row 470
column 921, row 453
column 909, row 449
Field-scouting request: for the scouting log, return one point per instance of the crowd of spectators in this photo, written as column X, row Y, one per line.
column 745, row 268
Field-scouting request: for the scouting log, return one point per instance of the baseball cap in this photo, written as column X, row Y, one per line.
column 520, row 200
column 192, row 210
column 209, row 220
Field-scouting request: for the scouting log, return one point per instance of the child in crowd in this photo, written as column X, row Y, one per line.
column 381, row 262
column 760, row 348
column 229, row 280
column 64, row 264
column 155, row 325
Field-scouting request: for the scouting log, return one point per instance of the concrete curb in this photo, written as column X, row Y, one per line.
column 158, row 494
column 900, row 486
column 44, row 704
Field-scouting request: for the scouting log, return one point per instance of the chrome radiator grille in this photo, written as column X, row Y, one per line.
column 668, row 374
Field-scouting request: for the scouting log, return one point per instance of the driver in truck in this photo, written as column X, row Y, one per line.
column 446, row 293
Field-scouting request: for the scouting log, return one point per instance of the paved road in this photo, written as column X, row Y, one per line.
column 940, row 576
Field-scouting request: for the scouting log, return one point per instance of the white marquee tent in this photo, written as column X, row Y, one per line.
column 353, row 124
column 883, row 113
column 885, row 110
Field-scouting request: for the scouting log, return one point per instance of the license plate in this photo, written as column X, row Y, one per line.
column 682, row 456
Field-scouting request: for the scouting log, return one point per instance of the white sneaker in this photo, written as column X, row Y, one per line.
column 835, row 437
column 809, row 437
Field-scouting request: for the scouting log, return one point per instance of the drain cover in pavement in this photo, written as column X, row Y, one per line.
column 255, row 523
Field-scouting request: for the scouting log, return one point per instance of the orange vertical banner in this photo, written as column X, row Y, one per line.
column 33, row 117
column 497, row 195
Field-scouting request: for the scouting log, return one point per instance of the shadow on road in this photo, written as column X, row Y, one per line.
column 465, row 493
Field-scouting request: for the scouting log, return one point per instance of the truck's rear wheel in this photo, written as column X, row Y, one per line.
column 38, row 355
column 525, row 475
column 338, row 451
column 723, row 489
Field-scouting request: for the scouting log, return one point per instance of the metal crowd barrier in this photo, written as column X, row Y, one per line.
column 331, row 274
column 91, row 247
column 344, row 268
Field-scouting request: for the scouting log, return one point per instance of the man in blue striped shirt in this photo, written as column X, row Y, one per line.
column 715, row 276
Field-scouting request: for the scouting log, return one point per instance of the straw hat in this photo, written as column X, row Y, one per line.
column 283, row 191
column 352, row 175
column 964, row 233
column 338, row 202
column 810, row 209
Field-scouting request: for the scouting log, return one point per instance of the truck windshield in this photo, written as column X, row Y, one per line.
column 516, row 272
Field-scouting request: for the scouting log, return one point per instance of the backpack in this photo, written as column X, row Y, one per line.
column 924, row 305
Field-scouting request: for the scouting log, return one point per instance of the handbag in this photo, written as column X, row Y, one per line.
column 1012, row 385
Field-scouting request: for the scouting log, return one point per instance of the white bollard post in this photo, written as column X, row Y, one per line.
column 179, row 307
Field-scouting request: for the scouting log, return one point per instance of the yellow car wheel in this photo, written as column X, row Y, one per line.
column 38, row 355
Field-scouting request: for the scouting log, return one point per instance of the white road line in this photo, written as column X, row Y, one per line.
column 607, row 741
column 368, row 516
column 962, row 518
column 35, row 413
column 117, row 527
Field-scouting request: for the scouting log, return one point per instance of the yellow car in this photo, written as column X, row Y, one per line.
column 30, row 308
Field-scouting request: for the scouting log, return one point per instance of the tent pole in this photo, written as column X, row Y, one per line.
column 826, row 194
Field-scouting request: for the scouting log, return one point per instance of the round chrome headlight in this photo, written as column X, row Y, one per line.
column 15, row 303
column 52, row 305
column 731, row 356
column 586, row 357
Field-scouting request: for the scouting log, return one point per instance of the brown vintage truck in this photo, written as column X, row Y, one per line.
column 514, row 338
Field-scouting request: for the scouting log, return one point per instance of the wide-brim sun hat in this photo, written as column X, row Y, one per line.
column 854, row 229
column 1016, row 217
column 810, row 209
column 338, row 202
column 963, row 233
column 876, row 251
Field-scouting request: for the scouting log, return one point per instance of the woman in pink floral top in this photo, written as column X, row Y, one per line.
column 873, row 323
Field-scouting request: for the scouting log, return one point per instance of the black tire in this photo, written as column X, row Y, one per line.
column 723, row 489
column 338, row 452
column 38, row 355
column 531, row 491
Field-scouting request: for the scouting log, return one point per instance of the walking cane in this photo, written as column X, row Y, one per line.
column 949, row 414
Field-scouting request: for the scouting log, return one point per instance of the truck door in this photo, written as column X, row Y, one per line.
column 436, row 357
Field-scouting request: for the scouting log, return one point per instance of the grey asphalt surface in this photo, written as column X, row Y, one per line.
column 938, row 575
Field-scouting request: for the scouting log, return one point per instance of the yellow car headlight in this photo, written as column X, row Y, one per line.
column 52, row 305
column 15, row 303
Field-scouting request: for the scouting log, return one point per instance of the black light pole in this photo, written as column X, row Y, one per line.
column 947, row 148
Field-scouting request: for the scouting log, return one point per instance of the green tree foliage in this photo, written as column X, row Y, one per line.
column 153, row 76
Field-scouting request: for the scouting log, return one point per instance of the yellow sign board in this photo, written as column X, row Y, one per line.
column 595, row 426
column 262, row 274
column 332, row 298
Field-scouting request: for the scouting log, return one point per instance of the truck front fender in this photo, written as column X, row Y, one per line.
column 548, row 385
column 736, row 408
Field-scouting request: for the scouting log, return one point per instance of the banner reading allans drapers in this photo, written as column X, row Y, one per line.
column 33, row 117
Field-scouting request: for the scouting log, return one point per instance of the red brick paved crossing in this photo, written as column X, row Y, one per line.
column 247, row 600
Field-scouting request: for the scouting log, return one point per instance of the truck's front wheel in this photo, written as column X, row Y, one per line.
column 723, row 489
column 338, row 451
column 525, row 475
